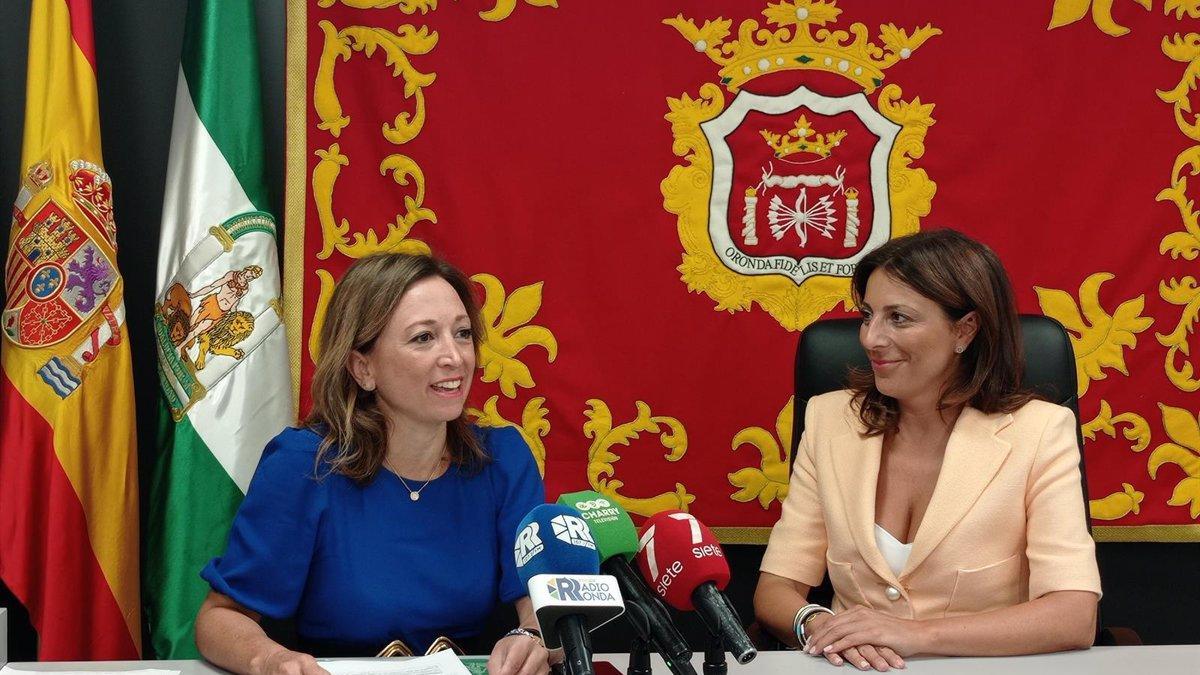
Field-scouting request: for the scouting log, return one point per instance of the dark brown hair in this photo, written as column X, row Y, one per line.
column 345, row 414
column 961, row 275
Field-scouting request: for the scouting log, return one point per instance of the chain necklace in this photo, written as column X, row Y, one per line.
column 414, row 495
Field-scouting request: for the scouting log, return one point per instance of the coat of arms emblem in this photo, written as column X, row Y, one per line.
column 796, row 201
column 58, row 276
column 61, row 276
column 791, row 181
column 214, row 311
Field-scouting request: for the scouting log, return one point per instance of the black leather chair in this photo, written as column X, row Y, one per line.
column 829, row 348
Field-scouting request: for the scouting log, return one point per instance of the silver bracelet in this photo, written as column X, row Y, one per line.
column 527, row 632
column 802, row 616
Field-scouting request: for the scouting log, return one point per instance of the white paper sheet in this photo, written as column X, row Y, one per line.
column 442, row 663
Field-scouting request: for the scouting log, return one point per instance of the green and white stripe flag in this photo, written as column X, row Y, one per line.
column 222, row 354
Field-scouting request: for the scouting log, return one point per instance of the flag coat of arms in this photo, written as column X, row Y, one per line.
column 68, row 459
column 655, row 198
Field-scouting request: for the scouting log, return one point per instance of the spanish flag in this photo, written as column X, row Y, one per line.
column 68, row 458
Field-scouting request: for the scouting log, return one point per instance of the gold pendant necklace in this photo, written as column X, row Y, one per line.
column 414, row 495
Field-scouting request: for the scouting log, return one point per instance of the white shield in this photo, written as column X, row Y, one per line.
column 719, row 128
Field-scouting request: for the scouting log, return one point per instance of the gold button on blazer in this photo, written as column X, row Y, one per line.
column 1005, row 523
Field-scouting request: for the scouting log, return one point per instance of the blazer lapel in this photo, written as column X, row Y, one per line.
column 973, row 456
column 856, row 469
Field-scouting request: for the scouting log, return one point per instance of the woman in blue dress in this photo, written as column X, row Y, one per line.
column 387, row 515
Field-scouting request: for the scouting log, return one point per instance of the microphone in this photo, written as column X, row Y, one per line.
column 559, row 564
column 617, row 542
column 687, row 568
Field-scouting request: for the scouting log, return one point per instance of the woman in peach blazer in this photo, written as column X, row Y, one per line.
column 936, row 447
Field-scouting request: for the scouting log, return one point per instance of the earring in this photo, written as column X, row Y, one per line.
column 958, row 349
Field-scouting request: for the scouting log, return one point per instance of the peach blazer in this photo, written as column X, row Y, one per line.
column 1005, row 523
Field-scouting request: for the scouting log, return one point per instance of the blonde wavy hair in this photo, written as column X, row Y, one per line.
column 354, row 428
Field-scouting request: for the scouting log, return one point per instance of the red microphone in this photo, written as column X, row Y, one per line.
column 686, row 567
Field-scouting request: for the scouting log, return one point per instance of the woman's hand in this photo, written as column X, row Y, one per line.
column 288, row 662
column 866, row 638
column 229, row 636
column 863, row 657
column 519, row 655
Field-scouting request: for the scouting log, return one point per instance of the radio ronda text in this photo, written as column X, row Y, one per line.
column 573, row 589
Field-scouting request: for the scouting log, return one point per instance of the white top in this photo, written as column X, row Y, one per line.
column 895, row 553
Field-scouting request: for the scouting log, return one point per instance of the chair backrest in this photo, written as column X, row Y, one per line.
column 829, row 348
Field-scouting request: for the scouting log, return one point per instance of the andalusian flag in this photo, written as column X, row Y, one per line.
column 68, row 458
column 222, row 354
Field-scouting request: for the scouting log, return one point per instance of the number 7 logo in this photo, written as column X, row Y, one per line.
column 646, row 542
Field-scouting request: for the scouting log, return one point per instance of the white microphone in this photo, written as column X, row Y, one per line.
column 557, row 559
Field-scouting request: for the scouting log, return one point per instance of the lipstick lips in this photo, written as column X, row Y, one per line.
column 883, row 364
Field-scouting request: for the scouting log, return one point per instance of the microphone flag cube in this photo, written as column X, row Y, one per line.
column 596, row 597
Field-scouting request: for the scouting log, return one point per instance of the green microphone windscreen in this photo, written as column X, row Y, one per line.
column 611, row 526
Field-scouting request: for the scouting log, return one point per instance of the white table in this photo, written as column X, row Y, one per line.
column 1149, row 660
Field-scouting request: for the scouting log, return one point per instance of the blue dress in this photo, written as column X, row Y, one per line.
column 364, row 564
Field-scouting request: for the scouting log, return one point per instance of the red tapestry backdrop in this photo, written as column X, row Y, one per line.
column 655, row 197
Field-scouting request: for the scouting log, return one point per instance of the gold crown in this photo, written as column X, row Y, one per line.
column 802, row 139
column 793, row 46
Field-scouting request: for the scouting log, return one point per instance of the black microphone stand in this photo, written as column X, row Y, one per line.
column 714, row 656
column 639, row 657
column 576, row 644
